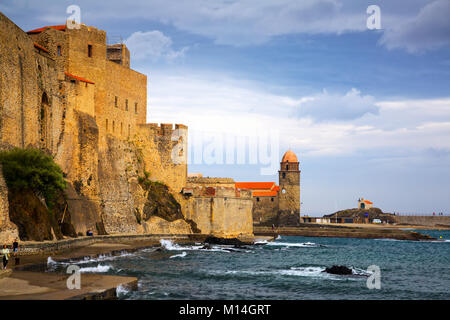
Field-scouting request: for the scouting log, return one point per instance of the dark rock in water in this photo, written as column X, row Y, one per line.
column 159, row 249
column 343, row 270
column 223, row 241
column 207, row 247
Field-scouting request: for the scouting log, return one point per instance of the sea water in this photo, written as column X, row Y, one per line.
column 288, row 268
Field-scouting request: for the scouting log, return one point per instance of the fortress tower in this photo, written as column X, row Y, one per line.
column 289, row 181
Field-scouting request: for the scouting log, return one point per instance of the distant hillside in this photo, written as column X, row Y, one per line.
column 360, row 214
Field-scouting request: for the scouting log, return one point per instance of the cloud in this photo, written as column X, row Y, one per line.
column 327, row 106
column 216, row 103
column 153, row 45
column 429, row 30
column 416, row 25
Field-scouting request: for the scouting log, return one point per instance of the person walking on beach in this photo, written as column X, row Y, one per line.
column 15, row 249
column 5, row 253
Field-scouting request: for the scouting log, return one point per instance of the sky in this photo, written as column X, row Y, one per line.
column 367, row 111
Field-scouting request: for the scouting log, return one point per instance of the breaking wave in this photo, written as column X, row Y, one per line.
column 181, row 255
column 100, row 269
column 310, row 271
column 295, row 244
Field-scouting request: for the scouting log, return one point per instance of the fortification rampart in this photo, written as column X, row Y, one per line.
column 69, row 93
column 163, row 150
column 211, row 182
column 220, row 211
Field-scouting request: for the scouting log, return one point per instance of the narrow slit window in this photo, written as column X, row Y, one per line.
column 126, row 104
column 136, row 108
column 58, row 49
column 89, row 50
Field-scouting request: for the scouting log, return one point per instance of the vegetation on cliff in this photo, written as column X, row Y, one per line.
column 37, row 204
column 33, row 170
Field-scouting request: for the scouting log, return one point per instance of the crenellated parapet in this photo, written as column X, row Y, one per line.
column 162, row 129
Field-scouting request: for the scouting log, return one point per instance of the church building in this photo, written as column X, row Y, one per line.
column 277, row 204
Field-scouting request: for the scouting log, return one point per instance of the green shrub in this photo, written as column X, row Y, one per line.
column 31, row 169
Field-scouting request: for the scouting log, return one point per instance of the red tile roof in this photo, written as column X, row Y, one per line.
column 367, row 201
column 40, row 47
column 255, row 185
column 78, row 78
column 59, row 27
column 264, row 193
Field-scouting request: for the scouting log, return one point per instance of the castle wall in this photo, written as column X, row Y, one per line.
column 210, row 182
column 18, row 87
column 265, row 210
column 221, row 212
column 57, row 97
column 160, row 148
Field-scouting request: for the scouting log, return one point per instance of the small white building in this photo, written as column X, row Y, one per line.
column 364, row 204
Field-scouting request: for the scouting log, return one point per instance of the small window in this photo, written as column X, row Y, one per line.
column 116, row 102
column 129, row 131
column 257, row 199
column 283, row 175
column 114, row 124
column 58, row 49
column 126, row 104
column 287, row 167
column 271, row 199
column 106, row 125
column 135, row 108
column 89, row 50
column 121, row 128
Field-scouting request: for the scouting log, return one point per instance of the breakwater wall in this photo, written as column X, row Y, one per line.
column 67, row 244
column 424, row 220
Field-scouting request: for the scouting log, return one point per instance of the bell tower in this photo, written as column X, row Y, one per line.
column 289, row 181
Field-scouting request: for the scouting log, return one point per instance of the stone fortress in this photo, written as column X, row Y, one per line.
column 69, row 93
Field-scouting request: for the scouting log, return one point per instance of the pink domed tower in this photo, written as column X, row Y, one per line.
column 289, row 181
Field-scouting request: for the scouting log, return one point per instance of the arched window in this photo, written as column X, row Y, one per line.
column 44, row 121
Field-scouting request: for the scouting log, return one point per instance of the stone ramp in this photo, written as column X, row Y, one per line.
column 24, row 285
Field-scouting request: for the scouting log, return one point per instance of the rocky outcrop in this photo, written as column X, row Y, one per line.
column 8, row 231
column 341, row 270
column 37, row 222
column 361, row 215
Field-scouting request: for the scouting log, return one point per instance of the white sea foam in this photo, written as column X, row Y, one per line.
column 99, row 268
column 310, row 271
column 121, row 290
column 50, row 261
column 261, row 242
column 293, row 244
column 181, row 255
column 170, row 246
column 278, row 238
